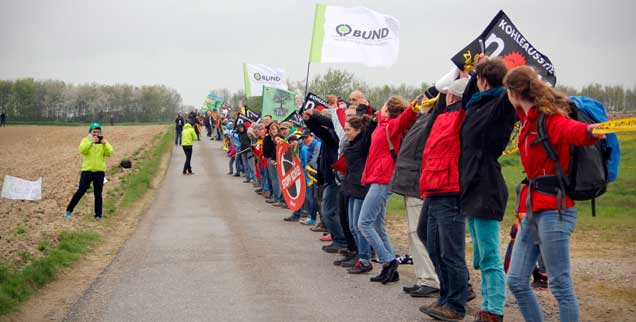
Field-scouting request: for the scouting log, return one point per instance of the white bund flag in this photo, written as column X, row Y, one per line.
column 354, row 35
column 20, row 189
column 259, row 75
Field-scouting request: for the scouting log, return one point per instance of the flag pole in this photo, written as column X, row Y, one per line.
column 307, row 78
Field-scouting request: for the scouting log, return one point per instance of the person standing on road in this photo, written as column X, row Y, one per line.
column 94, row 149
column 179, row 128
column 189, row 136
column 3, row 119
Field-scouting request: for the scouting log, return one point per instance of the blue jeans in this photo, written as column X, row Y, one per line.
column 329, row 211
column 364, row 250
column 231, row 164
column 177, row 139
column 277, row 195
column 553, row 232
column 371, row 221
column 265, row 185
column 486, row 235
column 248, row 165
column 446, row 244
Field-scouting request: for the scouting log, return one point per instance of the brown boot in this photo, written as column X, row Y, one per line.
column 443, row 313
column 490, row 317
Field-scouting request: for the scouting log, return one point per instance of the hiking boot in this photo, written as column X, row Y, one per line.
column 380, row 277
column 332, row 249
column 470, row 294
column 484, row 316
column 291, row 218
column 425, row 291
column 393, row 278
column 426, row 308
column 360, row 268
column 443, row 313
column 391, row 270
column 308, row 222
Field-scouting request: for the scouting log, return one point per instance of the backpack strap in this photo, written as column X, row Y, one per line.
column 391, row 147
column 563, row 181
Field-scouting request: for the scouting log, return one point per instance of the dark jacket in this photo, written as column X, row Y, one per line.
column 406, row 177
column 323, row 129
column 485, row 134
column 243, row 138
column 179, row 122
column 440, row 160
column 355, row 153
column 269, row 147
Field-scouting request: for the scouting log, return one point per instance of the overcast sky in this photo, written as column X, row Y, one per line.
column 194, row 46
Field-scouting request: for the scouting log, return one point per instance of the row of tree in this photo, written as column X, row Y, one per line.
column 341, row 83
column 57, row 101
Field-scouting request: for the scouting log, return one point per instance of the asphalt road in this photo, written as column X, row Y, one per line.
column 210, row 249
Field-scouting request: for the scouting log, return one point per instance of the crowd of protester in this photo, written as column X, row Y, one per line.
column 440, row 152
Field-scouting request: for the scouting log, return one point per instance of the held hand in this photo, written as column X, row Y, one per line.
column 416, row 104
column 482, row 58
column 307, row 114
column 590, row 131
column 95, row 139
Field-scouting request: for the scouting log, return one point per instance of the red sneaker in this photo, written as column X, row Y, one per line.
column 326, row 238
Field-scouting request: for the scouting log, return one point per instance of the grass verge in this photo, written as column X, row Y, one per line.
column 52, row 123
column 16, row 286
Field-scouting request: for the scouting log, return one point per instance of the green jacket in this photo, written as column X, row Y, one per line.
column 93, row 154
column 188, row 135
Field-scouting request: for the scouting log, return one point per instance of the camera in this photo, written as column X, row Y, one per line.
column 100, row 137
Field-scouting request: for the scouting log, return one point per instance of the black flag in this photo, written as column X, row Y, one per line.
column 313, row 101
column 502, row 39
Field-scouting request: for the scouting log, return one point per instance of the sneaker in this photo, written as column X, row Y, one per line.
column 409, row 289
column 360, row 268
column 319, row 228
column 352, row 261
column 67, row 214
column 237, row 175
column 332, row 249
column 247, row 181
column 442, row 313
column 308, row 222
column 258, row 190
column 230, row 173
column 291, row 218
column 98, row 218
column 424, row 291
column 270, row 201
column 541, row 285
column 326, row 238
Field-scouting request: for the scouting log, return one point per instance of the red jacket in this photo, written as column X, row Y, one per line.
column 440, row 159
column 380, row 163
column 562, row 132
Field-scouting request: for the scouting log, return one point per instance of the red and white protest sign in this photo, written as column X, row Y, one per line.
column 290, row 176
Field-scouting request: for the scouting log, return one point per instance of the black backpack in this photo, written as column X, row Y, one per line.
column 588, row 166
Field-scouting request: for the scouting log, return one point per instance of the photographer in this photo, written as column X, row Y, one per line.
column 93, row 148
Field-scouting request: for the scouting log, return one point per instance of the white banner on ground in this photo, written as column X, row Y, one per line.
column 259, row 75
column 354, row 35
column 20, row 189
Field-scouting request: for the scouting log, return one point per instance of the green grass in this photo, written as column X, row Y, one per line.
column 615, row 210
column 17, row 286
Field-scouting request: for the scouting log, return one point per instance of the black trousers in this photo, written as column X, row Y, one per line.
column 344, row 221
column 87, row 177
column 188, row 153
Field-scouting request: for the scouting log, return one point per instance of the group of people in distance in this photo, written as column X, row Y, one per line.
column 441, row 153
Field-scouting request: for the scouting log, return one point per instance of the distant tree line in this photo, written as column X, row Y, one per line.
column 616, row 99
column 57, row 101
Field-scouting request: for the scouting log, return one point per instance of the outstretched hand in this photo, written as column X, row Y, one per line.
column 590, row 131
column 307, row 114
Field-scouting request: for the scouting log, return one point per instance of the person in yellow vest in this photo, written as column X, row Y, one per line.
column 94, row 149
column 188, row 136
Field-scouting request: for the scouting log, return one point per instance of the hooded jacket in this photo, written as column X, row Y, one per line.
column 355, row 153
column 562, row 132
column 485, row 133
column 244, row 139
column 380, row 164
column 188, row 135
column 93, row 154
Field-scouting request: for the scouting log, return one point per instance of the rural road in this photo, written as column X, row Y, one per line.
column 210, row 249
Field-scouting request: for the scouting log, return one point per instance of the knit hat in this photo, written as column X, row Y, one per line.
column 431, row 92
column 93, row 126
column 457, row 87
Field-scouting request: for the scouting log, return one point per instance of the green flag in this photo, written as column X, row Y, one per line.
column 278, row 103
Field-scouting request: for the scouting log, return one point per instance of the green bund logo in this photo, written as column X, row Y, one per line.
column 267, row 78
column 344, row 30
column 257, row 76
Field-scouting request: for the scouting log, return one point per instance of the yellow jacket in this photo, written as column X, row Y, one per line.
column 93, row 154
column 188, row 135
